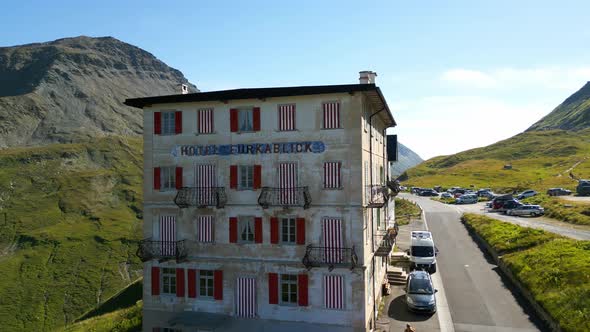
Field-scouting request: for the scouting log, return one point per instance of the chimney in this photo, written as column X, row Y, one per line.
column 183, row 89
column 367, row 77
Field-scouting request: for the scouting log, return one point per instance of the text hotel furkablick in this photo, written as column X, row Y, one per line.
column 255, row 148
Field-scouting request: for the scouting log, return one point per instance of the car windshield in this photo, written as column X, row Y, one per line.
column 420, row 286
column 418, row 251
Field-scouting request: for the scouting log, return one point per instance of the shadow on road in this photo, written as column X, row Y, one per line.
column 399, row 311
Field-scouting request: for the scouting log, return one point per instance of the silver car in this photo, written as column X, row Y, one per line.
column 526, row 210
column 420, row 292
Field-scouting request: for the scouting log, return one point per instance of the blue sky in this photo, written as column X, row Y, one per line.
column 457, row 74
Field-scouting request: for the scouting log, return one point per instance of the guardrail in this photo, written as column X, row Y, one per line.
column 318, row 256
column 285, row 197
column 149, row 249
column 201, row 197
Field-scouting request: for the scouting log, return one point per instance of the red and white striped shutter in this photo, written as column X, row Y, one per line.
column 333, row 292
column 168, row 235
column 287, row 117
column 205, row 120
column 331, row 114
column 332, row 175
column 288, row 183
column 332, row 237
column 246, row 297
column 205, row 182
column 205, row 228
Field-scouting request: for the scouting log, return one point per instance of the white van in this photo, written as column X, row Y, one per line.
column 422, row 251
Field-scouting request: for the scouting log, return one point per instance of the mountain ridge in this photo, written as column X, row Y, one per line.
column 572, row 114
column 71, row 89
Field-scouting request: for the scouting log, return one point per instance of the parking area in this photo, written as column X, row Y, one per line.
column 395, row 314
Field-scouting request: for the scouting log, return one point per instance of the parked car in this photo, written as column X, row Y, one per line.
column 583, row 188
column 508, row 205
column 487, row 194
column 420, row 292
column 558, row 192
column 446, row 195
column 498, row 202
column 526, row 210
column 428, row 192
column 526, row 193
column 467, row 199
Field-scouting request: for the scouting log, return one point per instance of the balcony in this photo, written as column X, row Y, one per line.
column 376, row 196
column 330, row 257
column 201, row 197
column 394, row 187
column 386, row 243
column 285, row 197
column 162, row 250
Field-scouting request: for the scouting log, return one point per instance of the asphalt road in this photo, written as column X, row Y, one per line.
column 478, row 298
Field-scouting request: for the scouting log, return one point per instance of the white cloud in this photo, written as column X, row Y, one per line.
column 560, row 77
column 468, row 77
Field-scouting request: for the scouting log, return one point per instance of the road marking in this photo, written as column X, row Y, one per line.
column 445, row 321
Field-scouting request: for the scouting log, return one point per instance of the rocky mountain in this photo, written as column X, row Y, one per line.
column 71, row 89
column 406, row 159
column 572, row 114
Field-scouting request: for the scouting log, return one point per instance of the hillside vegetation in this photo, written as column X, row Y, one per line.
column 71, row 218
column 554, row 269
column 122, row 320
column 539, row 160
column 572, row 114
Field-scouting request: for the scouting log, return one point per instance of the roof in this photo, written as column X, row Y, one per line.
column 373, row 92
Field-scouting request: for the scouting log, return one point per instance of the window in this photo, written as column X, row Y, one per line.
column 331, row 115
column 332, row 175
column 246, row 229
column 246, row 176
column 288, row 234
column 289, row 289
column 168, row 281
column 168, row 178
column 205, row 121
column 168, row 124
column 287, row 117
column 246, row 120
column 206, row 283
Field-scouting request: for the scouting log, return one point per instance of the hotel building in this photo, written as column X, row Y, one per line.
column 266, row 209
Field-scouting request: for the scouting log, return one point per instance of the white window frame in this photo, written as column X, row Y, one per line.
column 168, row 173
column 243, row 222
column 248, row 115
column 168, row 282
column 249, row 177
column 292, row 284
column 208, row 276
column 168, row 123
column 288, row 219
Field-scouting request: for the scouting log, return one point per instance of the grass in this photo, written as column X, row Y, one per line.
column 123, row 320
column 405, row 210
column 540, row 160
column 71, row 218
column 554, row 269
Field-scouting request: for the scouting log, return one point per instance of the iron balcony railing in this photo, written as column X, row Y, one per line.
column 285, row 197
column 394, row 187
column 201, row 197
column 386, row 243
column 376, row 196
column 162, row 250
column 331, row 257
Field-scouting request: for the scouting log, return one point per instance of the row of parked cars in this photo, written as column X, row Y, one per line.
column 513, row 207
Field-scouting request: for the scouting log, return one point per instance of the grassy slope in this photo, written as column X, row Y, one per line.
column 404, row 210
column 72, row 221
column 122, row 320
column 537, row 158
column 556, row 270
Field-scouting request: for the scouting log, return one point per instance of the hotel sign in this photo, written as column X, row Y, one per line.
column 254, row 148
